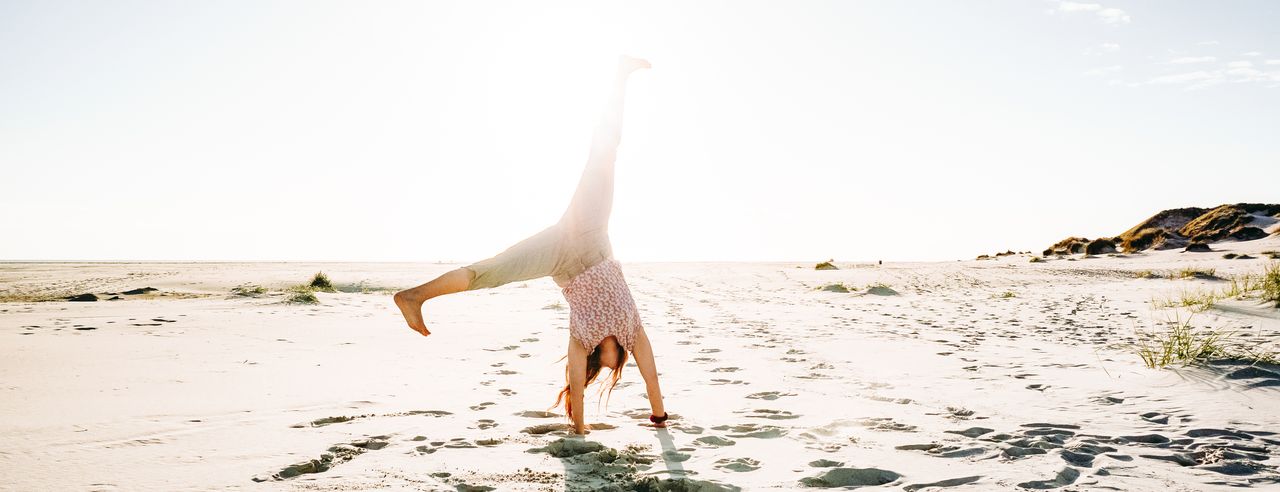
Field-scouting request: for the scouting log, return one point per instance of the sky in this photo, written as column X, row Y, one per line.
column 766, row 131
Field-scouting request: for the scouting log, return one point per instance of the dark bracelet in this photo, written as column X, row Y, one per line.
column 658, row 420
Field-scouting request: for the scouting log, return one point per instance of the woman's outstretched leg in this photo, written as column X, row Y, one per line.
column 410, row 301
column 592, row 203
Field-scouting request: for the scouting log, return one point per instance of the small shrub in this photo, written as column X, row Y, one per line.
column 1230, row 256
column 321, row 283
column 836, row 287
column 1036, row 259
column 1145, row 274
column 1008, row 294
column 826, row 265
column 881, row 289
column 302, row 296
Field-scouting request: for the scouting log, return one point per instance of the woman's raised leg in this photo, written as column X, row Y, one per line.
column 592, row 203
column 410, row 301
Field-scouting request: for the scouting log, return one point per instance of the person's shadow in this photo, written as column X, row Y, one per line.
column 671, row 456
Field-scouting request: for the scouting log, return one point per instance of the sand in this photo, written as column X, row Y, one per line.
column 972, row 375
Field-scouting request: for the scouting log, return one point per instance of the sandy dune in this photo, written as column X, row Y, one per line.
column 976, row 375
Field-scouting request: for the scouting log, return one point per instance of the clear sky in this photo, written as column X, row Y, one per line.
column 424, row 131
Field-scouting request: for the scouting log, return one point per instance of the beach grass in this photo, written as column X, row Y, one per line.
column 1145, row 274
column 1205, row 273
column 1270, row 284
column 320, row 282
column 1265, row 285
column 881, row 289
column 840, row 287
column 248, row 290
column 1180, row 343
column 302, row 294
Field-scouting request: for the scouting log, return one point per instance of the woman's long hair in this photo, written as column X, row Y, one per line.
column 593, row 370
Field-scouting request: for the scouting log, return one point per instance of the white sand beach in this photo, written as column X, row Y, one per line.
column 971, row 375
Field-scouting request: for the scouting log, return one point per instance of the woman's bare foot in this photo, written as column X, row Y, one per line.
column 411, row 308
column 628, row 64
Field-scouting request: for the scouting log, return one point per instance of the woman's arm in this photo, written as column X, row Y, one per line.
column 577, row 381
column 643, row 353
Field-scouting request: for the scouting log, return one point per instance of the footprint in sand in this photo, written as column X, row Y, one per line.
column 687, row 429
column 1065, row 477
column 851, row 477
column 726, row 369
column 458, row 443
column 887, row 399
column 538, row 414
column 886, row 424
column 331, row 420
column 951, row 482
column 677, row 456
column 738, row 464
column 769, row 395
column 752, row 430
column 506, row 392
column 481, row 406
column 483, row 424
column 1155, row 417
column 427, row 413
column 336, row 455
column 825, row 463
column 943, row 451
column 718, row 382
column 765, row 413
column 713, row 442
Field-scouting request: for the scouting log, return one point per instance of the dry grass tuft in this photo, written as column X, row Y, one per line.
column 835, row 287
column 302, row 295
column 1270, row 284
column 320, row 282
column 248, row 290
column 1179, row 343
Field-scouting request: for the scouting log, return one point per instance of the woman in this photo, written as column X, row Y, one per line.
column 604, row 324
